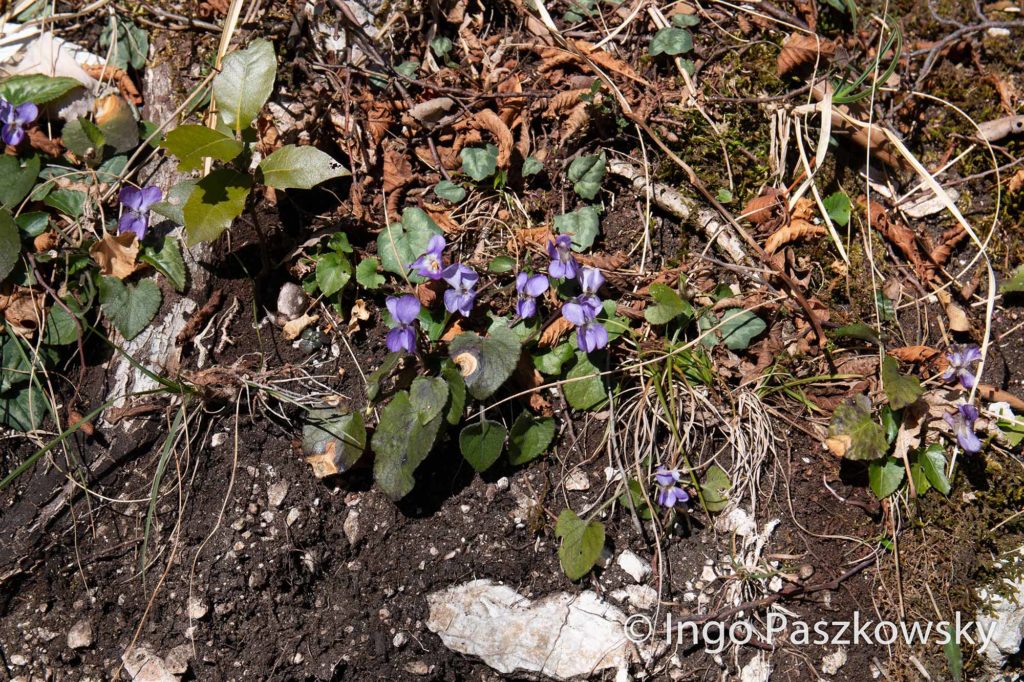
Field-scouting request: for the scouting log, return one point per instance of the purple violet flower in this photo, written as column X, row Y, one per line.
column 460, row 297
column 529, row 287
column 960, row 361
column 404, row 310
column 591, row 280
column 590, row 334
column 669, row 494
column 962, row 423
column 14, row 120
column 563, row 265
column 137, row 202
column 431, row 263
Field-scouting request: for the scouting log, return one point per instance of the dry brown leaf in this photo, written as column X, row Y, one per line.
column 529, row 379
column 607, row 62
column 797, row 229
column 901, row 237
column 950, row 239
column 452, row 332
column 801, row 50
column 958, row 320
column 577, row 121
column 919, row 355
column 397, row 170
column 46, row 241
column 429, row 293
column 24, row 312
column 325, row 463
column 118, row 76
column 764, row 207
column 1016, row 182
column 554, row 332
column 568, row 99
column 432, row 110
column 295, row 327
column 358, row 314
column 111, row 107
column 527, row 237
column 116, row 255
column 492, row 123
column 443, row 217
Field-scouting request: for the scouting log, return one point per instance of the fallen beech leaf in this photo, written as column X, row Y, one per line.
column 531, row 236
column 397, row 170
column 802, row 50
column 39, row 140
column 958, row 320
column 554, row 332
column 921, row 355
column 764, row 207
column 432, row 110
column 492, row 123
column 116, row 255
column 797, row 229
column 297, row 326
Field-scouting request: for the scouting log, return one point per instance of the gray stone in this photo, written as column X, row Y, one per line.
column 80, row 635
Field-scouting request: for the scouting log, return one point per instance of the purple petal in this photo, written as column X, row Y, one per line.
column 521, row 280
column 967, row 439
column 591, row 280
column 559, row 270
column 575, row 313
column 666, row 497
column 12, row 134
column 666, row 477
column 526, row 308
column 969, row 413
column 967, row 378
column 405, row 310
column 591, row 336
column 951, row 371
column 536, row 285
column 435, row 245
column 457, row 302
column 131, row 197
column 971, row 354
column 552, row 250
column 401, row 338
column 591, row 304
column 428, row 265
column 25, row 113
column 132, row 222
column 150, row 195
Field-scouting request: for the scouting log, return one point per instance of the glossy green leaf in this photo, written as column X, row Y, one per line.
column 333, row 272
column 633, row 496
column 130, row 308
column 857, row 330
column 428, row 396
column 885, row 476
column 70, row 202
column 60, row 328
column 581, row 545
column 15, row 363
column 441, row 46
column 130, row 43
column 901, row 390
column 456, row 393
column 292, row 167
column 1015, row 284
column 168, row 261
column 24, row 408
column 194, row 143
column 584, row 389
column 529, row 438
column 479, row 163
column 481, row 443
column 244, row 84
column 532, row 166
column 84, row 138
column 933, row 462
column 173, row 205
column 33, row 223
column 861, row 436
column 551, row 362
column 366, row 274
column 214, row 204
column 586, row 174
column 400, row 444
column 501, row 265
column 838, row 207
column 583, row 224
column 36, row 88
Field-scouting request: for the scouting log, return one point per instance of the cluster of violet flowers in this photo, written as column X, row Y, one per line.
column 14, row 119
column 460, row 297
column 961, row 363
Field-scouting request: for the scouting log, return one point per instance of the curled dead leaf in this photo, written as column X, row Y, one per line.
column 529, row 379
column 358, row 314
column 838, row 445
column 46, row 241
column 958, row 320
column 116, row 254
column 536, row 237
column 764, row 207
column 24, row 312
column 432, row 110
column 797, row 229
column 325, row 464
column 492, row 123
column 116, row 75
column 295, row 327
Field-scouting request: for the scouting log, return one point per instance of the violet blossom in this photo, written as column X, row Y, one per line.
column 591, row 280
column 669, row 493
column 529, row 287
column 590, row 334
column 431, row 263
column 404, row 310
column 960, row 361
column 137, row 203
column 962, row 423
column 461, row 296
column 14, row 119
column 563, row 265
